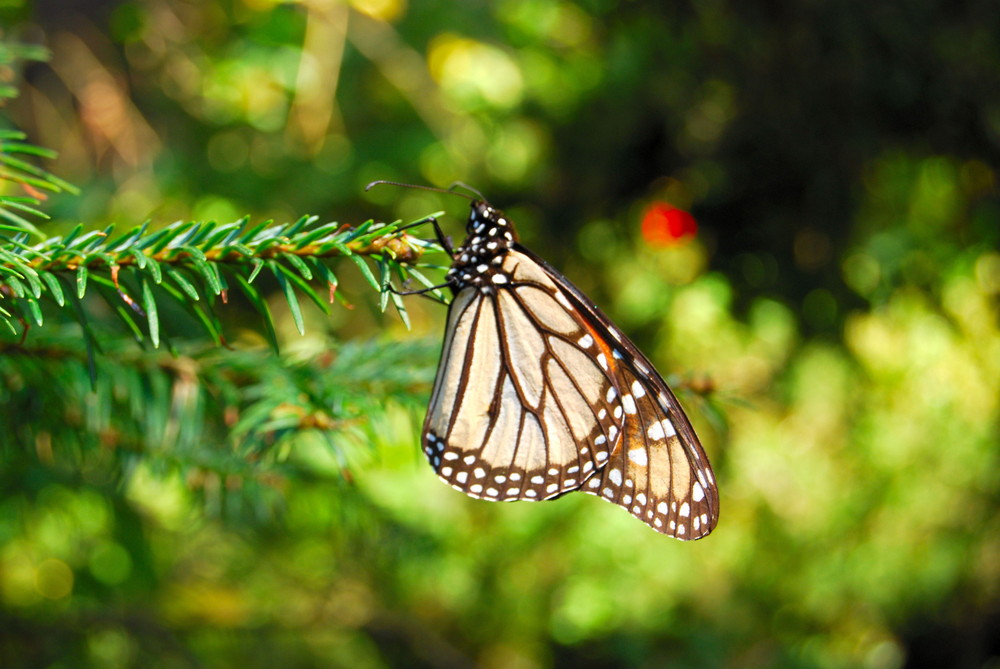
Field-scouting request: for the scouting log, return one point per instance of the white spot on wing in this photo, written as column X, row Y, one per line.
column 661, row 429
column 638, row 456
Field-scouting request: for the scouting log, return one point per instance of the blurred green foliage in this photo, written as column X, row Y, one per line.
column 841, row 297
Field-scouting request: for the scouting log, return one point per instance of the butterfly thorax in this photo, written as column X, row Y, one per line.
column 479, row 261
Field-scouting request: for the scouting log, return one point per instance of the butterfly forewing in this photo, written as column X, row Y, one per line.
column 521, row 408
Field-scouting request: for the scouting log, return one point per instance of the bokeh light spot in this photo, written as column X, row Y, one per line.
column 17, row 577
column 862, row 273
column 383, row 10
column 666, row 225
column 217, row 209
column 110, row 563
column 988, row 272
column 54, row 579
column 473, row 74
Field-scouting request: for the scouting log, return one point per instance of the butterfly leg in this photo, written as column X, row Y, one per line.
column 442, row 239
column 421, row 291
column 445, row 243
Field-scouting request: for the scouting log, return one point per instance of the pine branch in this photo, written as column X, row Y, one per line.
column 135, row 272
column 249, row 418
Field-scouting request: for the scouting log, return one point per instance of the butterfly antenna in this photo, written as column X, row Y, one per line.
column 448, row 191
column 462, row 184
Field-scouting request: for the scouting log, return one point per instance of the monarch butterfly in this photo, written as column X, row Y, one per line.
column 539, row 394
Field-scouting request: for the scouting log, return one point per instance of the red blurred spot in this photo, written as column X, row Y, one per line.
column 666, row 225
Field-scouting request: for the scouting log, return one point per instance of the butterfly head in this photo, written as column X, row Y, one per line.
column 479, row 261
column 488, row 221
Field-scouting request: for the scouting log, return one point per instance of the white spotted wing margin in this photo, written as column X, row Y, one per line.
column 658, row 472
column 522, row 409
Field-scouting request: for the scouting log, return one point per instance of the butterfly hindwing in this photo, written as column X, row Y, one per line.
column 659, row 472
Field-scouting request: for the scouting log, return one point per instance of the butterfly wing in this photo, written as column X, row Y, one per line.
column 523, row 407
column 659, row 471
column 660, row 474
column 538, row 393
